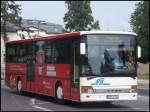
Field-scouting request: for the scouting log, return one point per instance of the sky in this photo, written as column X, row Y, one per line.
column 112, row 15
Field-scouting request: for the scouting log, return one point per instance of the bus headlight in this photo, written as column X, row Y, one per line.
column 134, row 88
column 87, row 89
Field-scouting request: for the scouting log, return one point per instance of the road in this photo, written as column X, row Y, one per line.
column 11, row 101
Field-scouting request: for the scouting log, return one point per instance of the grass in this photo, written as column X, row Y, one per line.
column 144, row 76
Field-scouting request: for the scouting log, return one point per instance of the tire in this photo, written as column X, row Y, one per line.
column 19, row 86
column 59, row 94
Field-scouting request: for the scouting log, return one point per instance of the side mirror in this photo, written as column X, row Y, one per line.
column 139, row 52
column 82, row 49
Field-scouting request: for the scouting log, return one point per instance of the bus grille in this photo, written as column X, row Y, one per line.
column 113, row 90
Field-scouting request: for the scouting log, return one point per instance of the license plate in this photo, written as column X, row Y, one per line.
column 112, row 96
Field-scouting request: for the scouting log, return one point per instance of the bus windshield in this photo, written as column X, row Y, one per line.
column 110, row 55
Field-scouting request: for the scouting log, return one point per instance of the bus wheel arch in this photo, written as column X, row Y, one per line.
column 59, row 93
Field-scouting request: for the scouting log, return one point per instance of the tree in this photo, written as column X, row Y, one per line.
column 9, row 13
column 139, row 22
column 78, row 16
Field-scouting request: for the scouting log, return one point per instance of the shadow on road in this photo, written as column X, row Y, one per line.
column 94, row 105
column 144, row 92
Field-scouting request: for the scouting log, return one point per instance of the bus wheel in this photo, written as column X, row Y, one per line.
column 59, row 94
column 19, row 86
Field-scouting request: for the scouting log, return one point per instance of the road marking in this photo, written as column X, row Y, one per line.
column 42, row 103
column 44, row 109
column 33, row 103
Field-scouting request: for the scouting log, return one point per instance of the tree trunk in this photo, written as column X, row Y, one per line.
column 4, row 32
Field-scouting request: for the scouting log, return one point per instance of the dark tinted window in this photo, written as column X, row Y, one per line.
column 57, row 51
column 22, row 52
column 63, row 47
column 10, row 53
column 50, row 51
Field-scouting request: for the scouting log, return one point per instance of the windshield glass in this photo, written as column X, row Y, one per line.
column 108, row 54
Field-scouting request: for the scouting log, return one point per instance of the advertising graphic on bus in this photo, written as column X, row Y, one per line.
column 81, row 66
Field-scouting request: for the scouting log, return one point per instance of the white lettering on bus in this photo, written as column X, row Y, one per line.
column 51, row 71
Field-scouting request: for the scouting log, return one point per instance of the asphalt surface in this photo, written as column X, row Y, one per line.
column 11, row 101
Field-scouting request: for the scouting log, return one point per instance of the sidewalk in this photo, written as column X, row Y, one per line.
column 143, row 83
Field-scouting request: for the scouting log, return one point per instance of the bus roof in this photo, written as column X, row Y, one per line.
column 53, row 36
column 67, row 35
column 107, row 32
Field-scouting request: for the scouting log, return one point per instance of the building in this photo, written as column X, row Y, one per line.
column 33, row 28
column 30, row 28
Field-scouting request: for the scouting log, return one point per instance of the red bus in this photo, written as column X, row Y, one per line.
column 79, row 66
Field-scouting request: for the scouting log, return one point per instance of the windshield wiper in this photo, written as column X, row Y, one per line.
column 91, row 77
column 89, row 74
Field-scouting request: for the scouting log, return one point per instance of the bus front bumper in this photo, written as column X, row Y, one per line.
column 85, row 97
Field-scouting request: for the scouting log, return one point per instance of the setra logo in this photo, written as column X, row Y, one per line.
column 100, row 81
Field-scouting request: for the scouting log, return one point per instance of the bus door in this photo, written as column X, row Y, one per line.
column 75, row 68
column 30, row 69
column 30, row 76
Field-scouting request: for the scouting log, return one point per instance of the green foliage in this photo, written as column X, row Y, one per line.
column 144, row 76
column 78, row 17
column 139, row 22
column 9, row 13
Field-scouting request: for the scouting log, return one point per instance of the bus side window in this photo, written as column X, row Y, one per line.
column 63, row 48
column 50, row 52
column 10, row 52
